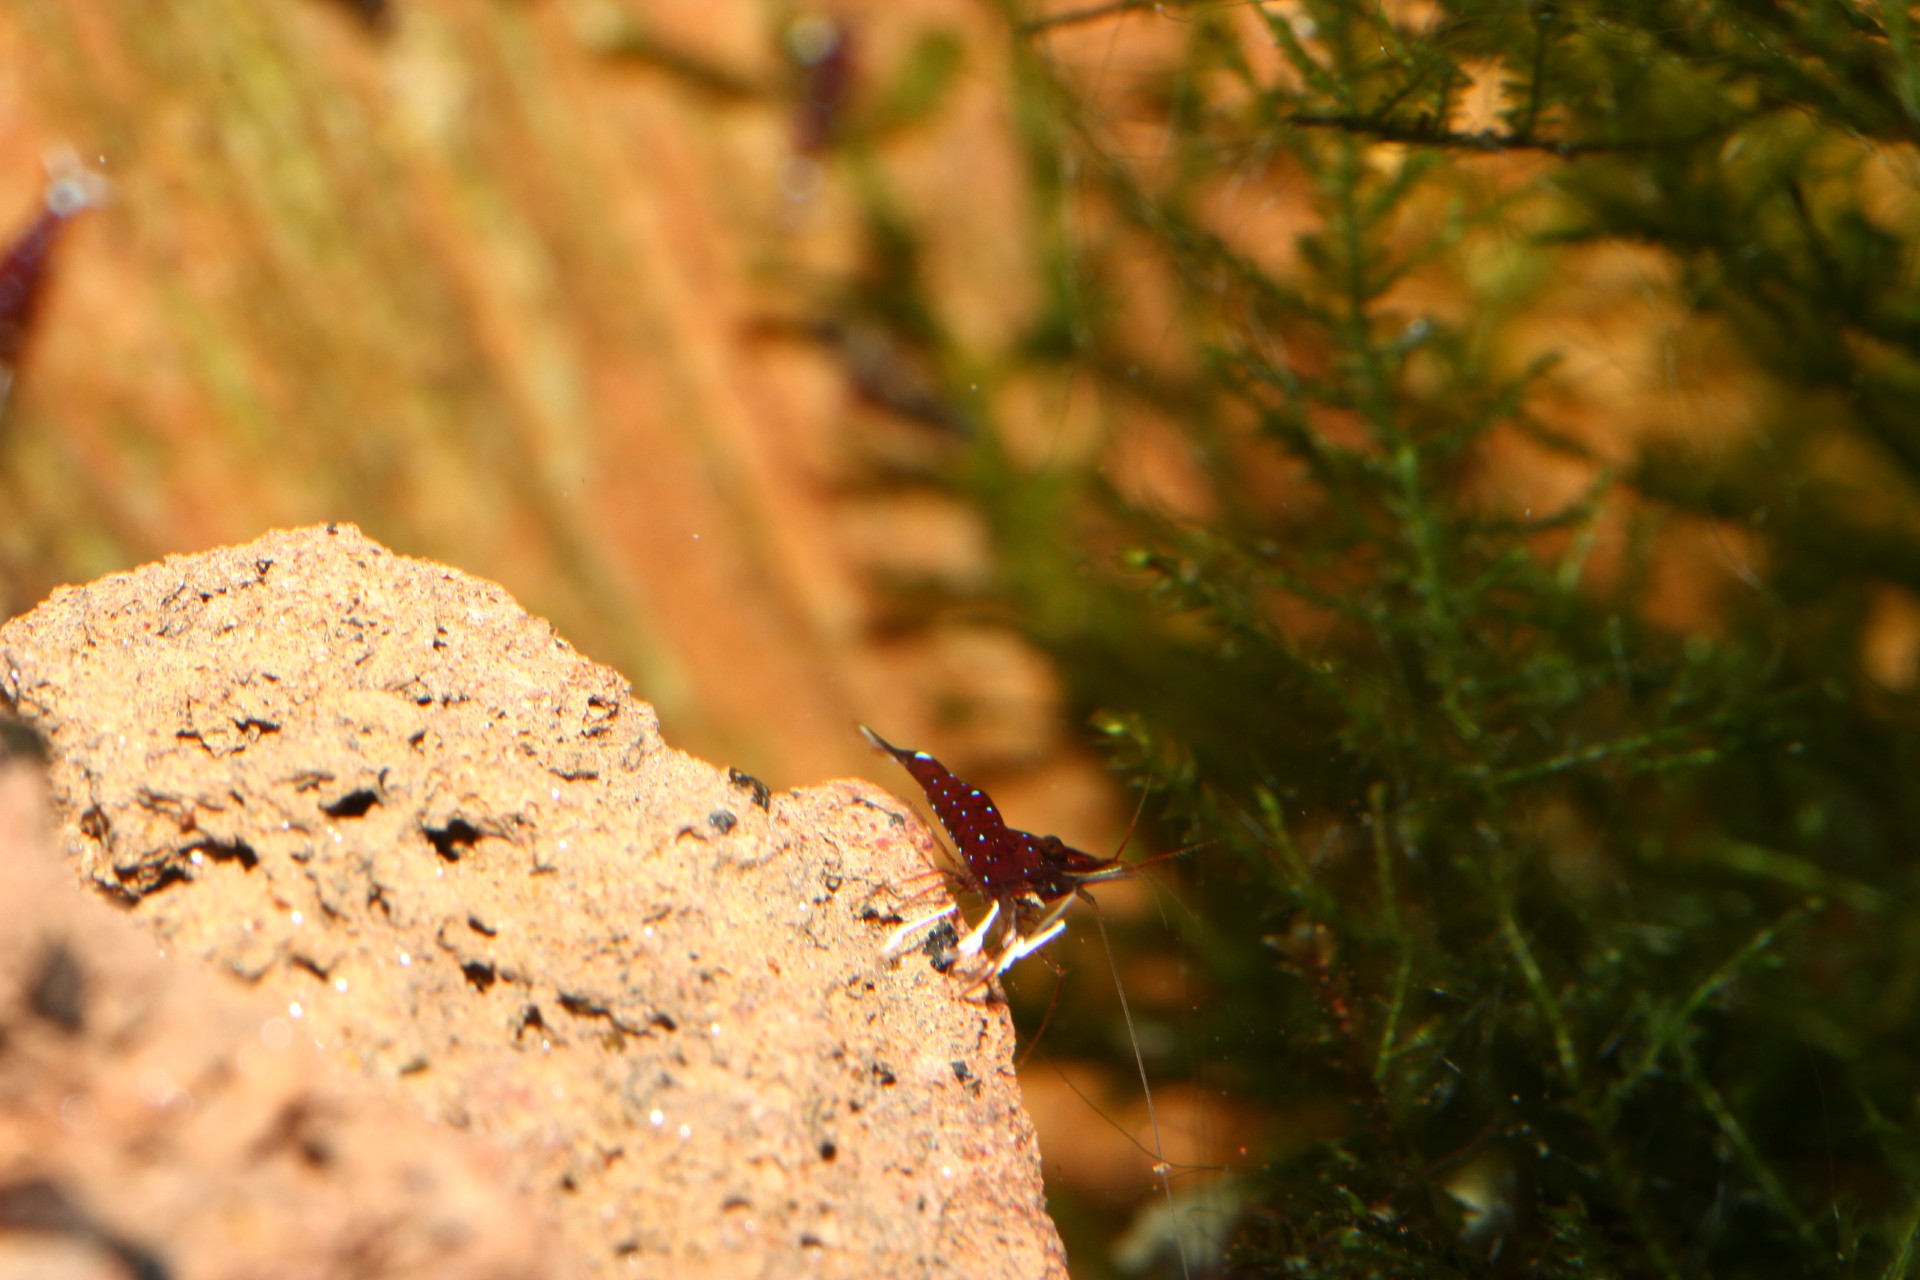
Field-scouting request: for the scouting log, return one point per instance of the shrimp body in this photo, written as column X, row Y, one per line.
column 1027, row 878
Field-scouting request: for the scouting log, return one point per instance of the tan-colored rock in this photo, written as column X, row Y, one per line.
column 420, row 831
column 159, row 1122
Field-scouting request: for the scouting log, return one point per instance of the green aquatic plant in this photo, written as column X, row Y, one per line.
column 1564, row 886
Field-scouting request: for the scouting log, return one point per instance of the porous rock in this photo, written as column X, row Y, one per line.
column 160, row 1123
column 433, row 840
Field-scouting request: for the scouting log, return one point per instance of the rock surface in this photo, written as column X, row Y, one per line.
column 158, row 1122
column 422, row 833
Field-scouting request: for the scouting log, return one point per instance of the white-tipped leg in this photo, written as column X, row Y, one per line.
column 897, row 940
column 1020, row 948
column 1047, row 921
column 977, row 936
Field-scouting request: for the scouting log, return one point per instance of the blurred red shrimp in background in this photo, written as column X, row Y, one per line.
column 824, row 49
column 71, row 189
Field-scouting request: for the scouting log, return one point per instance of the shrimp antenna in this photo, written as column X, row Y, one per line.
column 1146, row 1090
column 1160, row 1161
column 1033, row 1041
column 1134, row 825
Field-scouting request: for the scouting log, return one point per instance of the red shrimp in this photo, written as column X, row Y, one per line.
column 1031, row 880
column 824, row 49
column 23, row 269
